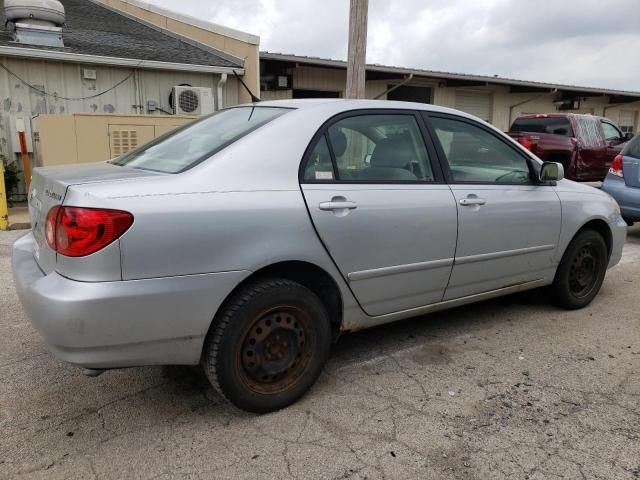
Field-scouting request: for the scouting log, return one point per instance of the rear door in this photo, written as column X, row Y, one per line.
column 592, row 156
column 379, row 204
column 508, row 226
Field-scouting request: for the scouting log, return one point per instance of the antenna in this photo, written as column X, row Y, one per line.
column 254, row 99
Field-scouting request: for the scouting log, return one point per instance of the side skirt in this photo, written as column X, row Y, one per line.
column 366, row 322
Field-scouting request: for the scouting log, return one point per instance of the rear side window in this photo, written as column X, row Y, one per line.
column 632, row 149
column 380, row 148
column 189, row 145
column 319, row 165
column 552, row 125
column 589, row 131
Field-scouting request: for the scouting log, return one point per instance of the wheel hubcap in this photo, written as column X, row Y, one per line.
column 583, row 271
column 274, row 347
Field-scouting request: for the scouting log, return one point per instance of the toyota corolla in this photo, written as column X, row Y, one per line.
column 249, row 240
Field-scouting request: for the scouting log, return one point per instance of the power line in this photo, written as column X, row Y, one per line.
column 53, row 95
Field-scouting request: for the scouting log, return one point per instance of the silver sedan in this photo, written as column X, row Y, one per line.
column 250, row 239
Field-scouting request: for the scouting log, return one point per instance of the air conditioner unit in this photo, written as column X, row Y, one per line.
column 195, row 101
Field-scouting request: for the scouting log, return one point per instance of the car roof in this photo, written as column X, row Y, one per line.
column 558, row 115
column 344, row 104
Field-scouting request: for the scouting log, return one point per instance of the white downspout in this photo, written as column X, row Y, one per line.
column 220, row 91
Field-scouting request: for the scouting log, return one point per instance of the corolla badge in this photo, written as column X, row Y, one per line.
column 54, row 195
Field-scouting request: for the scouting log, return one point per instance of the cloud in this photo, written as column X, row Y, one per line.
column 582, row 42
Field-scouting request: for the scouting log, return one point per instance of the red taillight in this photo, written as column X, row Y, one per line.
column 526, row 142
column 50, row 227
column 76, row 231
column 616, row 167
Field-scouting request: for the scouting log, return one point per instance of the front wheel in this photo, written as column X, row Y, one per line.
column 581, row 271
column 268, row 345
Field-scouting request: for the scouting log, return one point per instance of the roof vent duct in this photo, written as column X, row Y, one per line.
column 36, row 22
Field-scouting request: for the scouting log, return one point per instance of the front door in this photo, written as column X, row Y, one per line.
column 379, row 205
column 508, row 224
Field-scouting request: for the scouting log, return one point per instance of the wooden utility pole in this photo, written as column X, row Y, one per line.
column 356, row 57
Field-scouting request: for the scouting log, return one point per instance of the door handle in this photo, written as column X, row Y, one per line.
column 472, row 201
column 338, row 205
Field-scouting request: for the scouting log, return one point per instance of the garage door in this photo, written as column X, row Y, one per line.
column 478, row 104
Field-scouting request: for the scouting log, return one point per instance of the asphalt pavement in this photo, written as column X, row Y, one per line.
column 508, row 388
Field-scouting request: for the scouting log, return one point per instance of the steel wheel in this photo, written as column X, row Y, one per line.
column 268, row 345
column 583, row 271
column 276, row 349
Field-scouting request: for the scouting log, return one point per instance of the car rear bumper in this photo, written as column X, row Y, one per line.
column 627, row 197
column 120, row 323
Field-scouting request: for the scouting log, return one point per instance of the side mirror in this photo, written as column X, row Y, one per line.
column 628, row 136
column 551, row 172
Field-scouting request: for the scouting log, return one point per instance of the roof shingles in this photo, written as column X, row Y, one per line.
column 92, row 29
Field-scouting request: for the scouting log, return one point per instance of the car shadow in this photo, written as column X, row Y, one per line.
column 395, row 337
column 633, row 234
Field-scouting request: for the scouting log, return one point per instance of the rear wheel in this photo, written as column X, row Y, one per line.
column 581, row 271
column 268, row 346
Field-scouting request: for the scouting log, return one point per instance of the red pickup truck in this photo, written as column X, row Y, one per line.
column 584, row 144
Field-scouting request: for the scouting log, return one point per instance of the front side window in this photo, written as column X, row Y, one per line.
column 189, row 145
column 476, row 156
column 379, row 148
column 611, row 133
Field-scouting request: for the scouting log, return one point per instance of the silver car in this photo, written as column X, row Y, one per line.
column 250, row 239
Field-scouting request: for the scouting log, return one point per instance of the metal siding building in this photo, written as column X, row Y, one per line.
column 65, row 81
column 119, row 57
column 497, row 100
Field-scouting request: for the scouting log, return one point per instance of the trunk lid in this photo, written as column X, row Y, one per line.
column 49, row 187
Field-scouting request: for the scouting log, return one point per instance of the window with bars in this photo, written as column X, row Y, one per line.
column 627, row 121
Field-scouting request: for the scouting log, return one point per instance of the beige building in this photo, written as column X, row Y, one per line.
column 241, row 45
column 114, row 58
column 494, row 99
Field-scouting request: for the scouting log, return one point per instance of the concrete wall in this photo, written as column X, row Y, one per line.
column 238, row 44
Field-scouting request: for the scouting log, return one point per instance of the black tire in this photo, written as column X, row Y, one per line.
column 581, row 271
column 268, row 345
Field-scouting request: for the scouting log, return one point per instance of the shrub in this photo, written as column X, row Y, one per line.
column 11, row 178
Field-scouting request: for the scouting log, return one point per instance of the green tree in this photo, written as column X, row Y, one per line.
column 11, row 179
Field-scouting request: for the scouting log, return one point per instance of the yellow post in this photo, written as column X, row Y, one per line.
column 4, row 210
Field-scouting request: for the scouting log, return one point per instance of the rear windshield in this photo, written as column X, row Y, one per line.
column 552, row 125
column 187, row 146
column 632, row 149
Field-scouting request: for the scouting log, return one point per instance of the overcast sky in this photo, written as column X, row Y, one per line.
column 581, row 42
